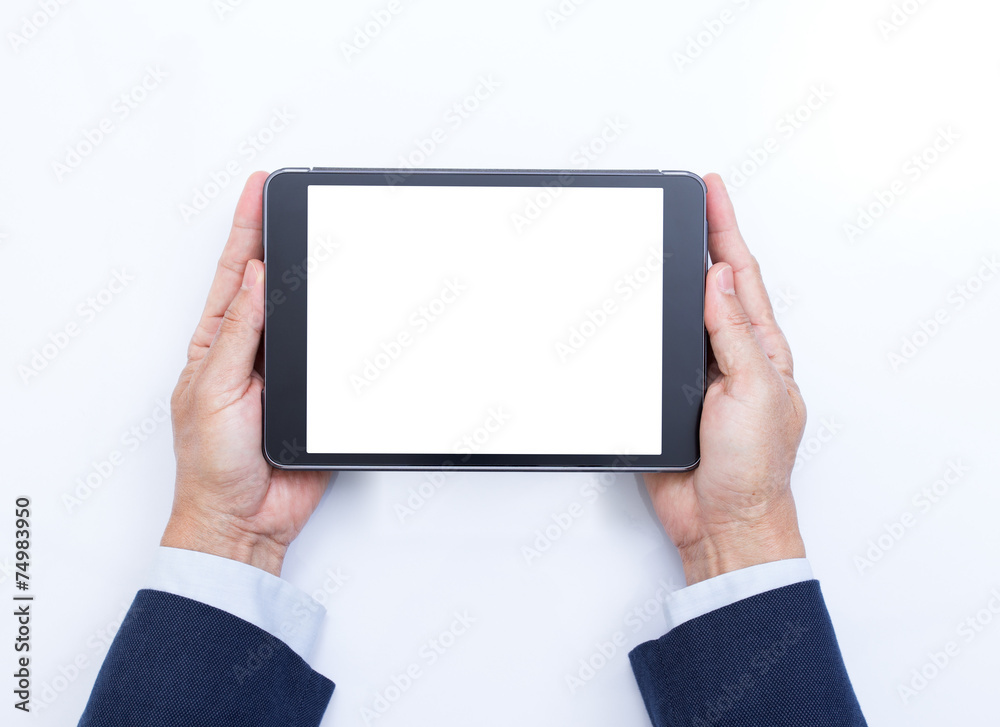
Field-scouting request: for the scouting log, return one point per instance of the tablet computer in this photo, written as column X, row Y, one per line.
column 484, row 320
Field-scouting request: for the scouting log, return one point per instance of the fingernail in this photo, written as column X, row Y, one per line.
column 250, row 276
column 725, row 280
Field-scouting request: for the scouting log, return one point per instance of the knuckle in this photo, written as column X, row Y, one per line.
column 205, row 399
column 197, row 392
column 227, row 265
column 738, row 318
column 193, row 351
column 233, row 319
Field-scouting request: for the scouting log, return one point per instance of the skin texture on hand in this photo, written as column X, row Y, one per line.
column 736, row 509
column 228, row 501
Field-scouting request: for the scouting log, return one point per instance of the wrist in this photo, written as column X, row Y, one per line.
column 224, row 538
column 741, row 546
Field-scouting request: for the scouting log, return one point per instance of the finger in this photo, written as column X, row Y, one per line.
column 229, row 362
column 737, row 351
column 726, row 244
column 245, row 243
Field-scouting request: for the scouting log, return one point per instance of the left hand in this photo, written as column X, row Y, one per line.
column 228, row 501
column 736, row 509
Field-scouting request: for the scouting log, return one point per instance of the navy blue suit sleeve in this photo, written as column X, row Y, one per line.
column 771, row 659
column 176, row 661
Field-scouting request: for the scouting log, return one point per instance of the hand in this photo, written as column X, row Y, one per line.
column 736, row 509
column 228, row 500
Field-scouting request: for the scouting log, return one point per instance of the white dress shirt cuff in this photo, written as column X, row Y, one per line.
column 254, row 595
column 701, row 598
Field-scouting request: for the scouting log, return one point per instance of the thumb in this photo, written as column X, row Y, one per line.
column 230, row 358
column 734, row 342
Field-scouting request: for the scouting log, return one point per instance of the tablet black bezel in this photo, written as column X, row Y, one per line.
column 285, row 250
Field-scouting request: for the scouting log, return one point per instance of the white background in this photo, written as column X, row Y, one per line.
column 845, row 305
column 433, row 314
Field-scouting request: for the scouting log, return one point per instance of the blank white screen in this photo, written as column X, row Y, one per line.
column 441, row 320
